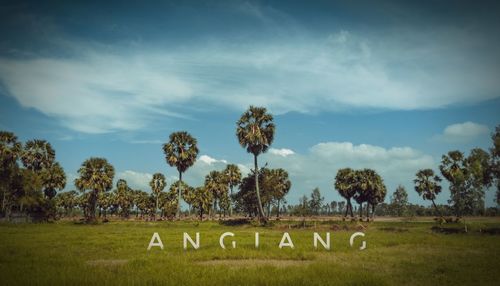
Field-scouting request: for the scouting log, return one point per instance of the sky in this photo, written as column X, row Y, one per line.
column 388, row 85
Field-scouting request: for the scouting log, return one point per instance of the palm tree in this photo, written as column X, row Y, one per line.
column 215, row 183
column 233, row 177
column 96, row 175
column 345, row 184
column 181, row 151
column 124, row 197
column 10, row 150
column 53, row 179
column 376, row 192
column 37, row 155
column 157, row 185
column 427, row 185
column 255, row 132
column 202, row 200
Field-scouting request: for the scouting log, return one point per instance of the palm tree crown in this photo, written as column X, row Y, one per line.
column 255, row 130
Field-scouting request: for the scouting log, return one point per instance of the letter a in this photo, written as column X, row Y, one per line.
column 289, row 242
column 156, row 237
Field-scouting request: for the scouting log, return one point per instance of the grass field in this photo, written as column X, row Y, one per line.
column 115, row 254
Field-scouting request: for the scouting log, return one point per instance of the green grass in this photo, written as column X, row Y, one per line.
column 115, row 253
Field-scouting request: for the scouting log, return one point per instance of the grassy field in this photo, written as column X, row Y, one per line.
column 115, row 254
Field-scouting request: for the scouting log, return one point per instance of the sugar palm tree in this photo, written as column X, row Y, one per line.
column 10, row 150
column 124, row 197
column 180, row 152
column 215, row 183
column 53, row 179
column 37, row 155
column 345, row 184
column 255, row 132
column 233, row 177
column 427, row 185
column 96, row 175
column 157, row 185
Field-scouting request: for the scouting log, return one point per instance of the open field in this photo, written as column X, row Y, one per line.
column 409, row 253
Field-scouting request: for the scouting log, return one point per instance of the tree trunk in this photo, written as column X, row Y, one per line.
column 259, row 202
column 278, row 213
column 91, row 211
column 179, row 196
column 361, row 211
column 373, row 212
column 231, row 201
column 367, row 212
column 437, row 210
column 157, row 203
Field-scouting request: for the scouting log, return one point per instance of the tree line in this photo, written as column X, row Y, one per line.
column 31, row 179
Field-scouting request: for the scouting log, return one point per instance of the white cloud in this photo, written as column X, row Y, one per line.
column 97, row 91
column 461, row 132
column 209, row 160
column 281, row 152
column 135, row 180
column 318, row 167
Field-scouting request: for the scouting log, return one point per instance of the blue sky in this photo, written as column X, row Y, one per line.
column 386, row 85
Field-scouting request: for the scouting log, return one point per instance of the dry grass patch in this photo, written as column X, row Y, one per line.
column 242, row 263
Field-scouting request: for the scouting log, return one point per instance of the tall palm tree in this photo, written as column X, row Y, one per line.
column 345, row 184
column 157, row 185
column 427, row 184
column 255, row 132
column 180, row 152
column 37, row 155
column 233, row 177
column 96, row 175
column 281, row 186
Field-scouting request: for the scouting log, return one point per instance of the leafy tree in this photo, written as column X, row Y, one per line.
column 180, row 152
column 495, row 161
column 233, row 177
column 399, row 201
column 480, row 176
column 96, row 175
column 202, row 200
column 427, row 185
column 376, row 192
column 255, row 132
column 123, row 196
column 37, row 155
column 10, row 151
column 67, row 201
column 316, row 201
column 157, row 184
column 53, row 179
column 345, row 183
column 216, row 183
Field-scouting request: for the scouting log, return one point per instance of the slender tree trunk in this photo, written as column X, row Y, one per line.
column 373, row 212
column 361, row 211
column 231, row 201
column 93, row 201
column 259, row 202
column 347, row 208
column 278, row 214
column 437, row 210
column 157, row 203
column 179, row 196
column 367, row 212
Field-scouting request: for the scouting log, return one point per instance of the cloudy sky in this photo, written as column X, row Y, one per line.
column 386, row 85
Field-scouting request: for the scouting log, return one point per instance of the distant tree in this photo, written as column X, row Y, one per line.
column 480, row 176
column 202, row 200
column 216, row 183
column 157, row 184
column 495, row 161
column 427, row 185
column 37, row 155
column 345, row 182
column 399, row 201
column 53, row 179
column 341, row 206
column 255, row 132
column 316, row 201
column 180, row 152
column 96, row 175
column 124, row 197
column 233, row 177
column 333, row 207
column 10, row 151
